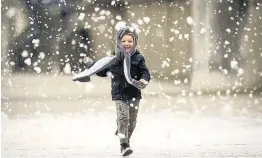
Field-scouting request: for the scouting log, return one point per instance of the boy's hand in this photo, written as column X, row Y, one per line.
column 89, row 62
column 143, row 83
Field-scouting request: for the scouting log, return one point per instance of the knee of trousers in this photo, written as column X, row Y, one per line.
column 123, row 119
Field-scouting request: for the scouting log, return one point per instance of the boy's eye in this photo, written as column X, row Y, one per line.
column 127, row 41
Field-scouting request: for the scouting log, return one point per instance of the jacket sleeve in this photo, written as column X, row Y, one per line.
column 103, row 73
column 144, row 72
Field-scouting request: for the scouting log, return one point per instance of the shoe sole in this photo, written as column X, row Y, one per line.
column 127, row 152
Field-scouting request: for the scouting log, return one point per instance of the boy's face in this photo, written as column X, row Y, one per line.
column 127, row 42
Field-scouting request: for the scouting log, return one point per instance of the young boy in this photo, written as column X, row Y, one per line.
column 126, row 96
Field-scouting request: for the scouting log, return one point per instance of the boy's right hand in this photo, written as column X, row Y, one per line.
column 89, row 62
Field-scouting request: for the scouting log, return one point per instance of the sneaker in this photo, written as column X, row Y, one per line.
column 125, row 149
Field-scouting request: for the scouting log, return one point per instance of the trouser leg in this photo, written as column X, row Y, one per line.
column 122, row 110
column 133, row 110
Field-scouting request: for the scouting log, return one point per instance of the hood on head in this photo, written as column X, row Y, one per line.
column 127, row 30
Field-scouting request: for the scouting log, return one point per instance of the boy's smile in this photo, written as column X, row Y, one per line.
column 127, row 42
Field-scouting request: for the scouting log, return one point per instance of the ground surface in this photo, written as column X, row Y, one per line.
column 51, row 116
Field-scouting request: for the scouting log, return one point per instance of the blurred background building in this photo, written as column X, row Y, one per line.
column 205, row 44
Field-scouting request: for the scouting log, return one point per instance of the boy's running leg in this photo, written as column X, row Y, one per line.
column 133, row 110
column 122, row 109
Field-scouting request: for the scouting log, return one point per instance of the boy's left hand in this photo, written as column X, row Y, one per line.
column 143, row 83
